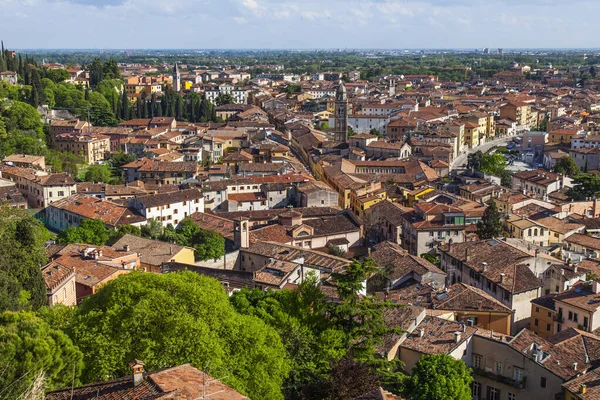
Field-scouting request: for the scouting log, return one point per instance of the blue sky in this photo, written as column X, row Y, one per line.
column 127, row 24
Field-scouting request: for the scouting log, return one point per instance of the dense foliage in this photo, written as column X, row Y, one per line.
column 585, row 186
column 29, row 345
column 93, row 231
column 207, row 244
column 173, row 319
column 567, row 166
column 22, row 241
column 439, row 377
column 322, row 337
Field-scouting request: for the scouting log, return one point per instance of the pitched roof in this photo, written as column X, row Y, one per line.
column 504, row 264
column 154, row 252
column 182, row 382
column 391, row 255
column 290, row 253
column 463, row 297
column 438, row 336
column 91, row 207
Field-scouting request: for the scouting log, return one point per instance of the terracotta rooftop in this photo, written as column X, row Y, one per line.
column 181, row 383
column 438, row 336
column 463, row 297
column 499, row 258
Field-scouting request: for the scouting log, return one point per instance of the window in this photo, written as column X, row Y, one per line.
column 493, row 393
column 498, row 368
column 477, row 361
column 512, row 396
column 518, row 374
column 558, row 328
column 537, row 309
column 570, row 316
column 61, row 193
column 535, row 322
column 476, row 390
column 575, row 317
column 543, row 382
column 585, row 322
column 548, row 327
column 50, row 194
column 549, row 314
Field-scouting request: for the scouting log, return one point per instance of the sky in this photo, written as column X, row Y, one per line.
column 299, row 24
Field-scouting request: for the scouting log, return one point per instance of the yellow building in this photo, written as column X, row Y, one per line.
column 543, row 316
column 563, row 136
column 472, row 134
column 412, row 196
column 362, row 203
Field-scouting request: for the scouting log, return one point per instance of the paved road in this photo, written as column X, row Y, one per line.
column 462, row 159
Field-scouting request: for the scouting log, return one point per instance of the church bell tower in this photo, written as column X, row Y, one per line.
column 341, row 114
column 176, row 79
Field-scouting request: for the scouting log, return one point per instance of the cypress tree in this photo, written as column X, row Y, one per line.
column 490, row 225
column 138, row 108
column 124, row 112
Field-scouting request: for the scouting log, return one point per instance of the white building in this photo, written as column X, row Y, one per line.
column 169, row 208
column 364, row 123
column 240, row 95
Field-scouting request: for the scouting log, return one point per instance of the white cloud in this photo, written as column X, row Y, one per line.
column 298, row 23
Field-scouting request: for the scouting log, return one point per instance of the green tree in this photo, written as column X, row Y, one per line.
column 566, row 166
column 223, row 99
column 153, row 229
column 115, row 234
column 29, row 345
column 311, row 341
column 90, row 231
column 375, row 132
column 98, row 173
column 439, row 377
column 208, row 245
column 585, row 186
column 490, row 225
column 492, row 164
column 172, row 319
column 57, row 75
column 474, row 160
column 22, row 243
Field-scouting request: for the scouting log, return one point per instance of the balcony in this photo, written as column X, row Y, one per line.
column 502, row 379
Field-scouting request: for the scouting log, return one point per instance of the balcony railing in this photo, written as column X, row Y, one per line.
column 502, row 379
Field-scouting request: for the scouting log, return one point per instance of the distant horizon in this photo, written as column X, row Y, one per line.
column 493, row 50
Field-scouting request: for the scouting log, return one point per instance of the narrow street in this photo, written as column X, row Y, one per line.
column 461, row 160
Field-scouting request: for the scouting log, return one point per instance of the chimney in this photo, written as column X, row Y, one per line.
column 171, row 250
column 450, row 245
column 575, row 268
column 595, row 286
column 464, row 327
column 99, row 253
column 502, row 275
column 127, row 248
column 468, row 255
column 574, row 366
column 421, row 332
column 137, row 368
column 457, row 336
column 484, row 267
column 583, row 388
